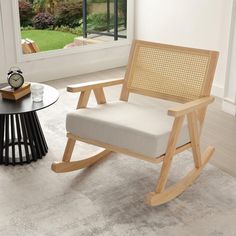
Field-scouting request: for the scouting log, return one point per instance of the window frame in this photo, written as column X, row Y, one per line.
column 68, row 51
column 2, row 48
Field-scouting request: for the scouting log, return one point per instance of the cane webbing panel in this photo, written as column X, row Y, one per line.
column 170, row 72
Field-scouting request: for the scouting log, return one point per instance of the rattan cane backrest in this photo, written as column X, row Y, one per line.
column 169, row 72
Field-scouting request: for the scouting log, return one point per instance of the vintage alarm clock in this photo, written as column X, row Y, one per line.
column 15, row 77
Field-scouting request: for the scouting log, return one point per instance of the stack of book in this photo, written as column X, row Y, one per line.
column 14, row 94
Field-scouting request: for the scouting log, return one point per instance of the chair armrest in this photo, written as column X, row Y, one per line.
column 188, row 107
column 93, row 85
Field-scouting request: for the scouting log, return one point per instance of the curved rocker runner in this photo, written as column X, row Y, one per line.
column 173, row 73
column 62, row 167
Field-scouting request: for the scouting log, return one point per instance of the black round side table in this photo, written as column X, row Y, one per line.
column 21, row 136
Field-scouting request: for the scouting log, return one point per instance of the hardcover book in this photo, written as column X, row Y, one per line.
column 14, row 94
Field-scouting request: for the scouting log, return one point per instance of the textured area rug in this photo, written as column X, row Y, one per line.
column 108, row 198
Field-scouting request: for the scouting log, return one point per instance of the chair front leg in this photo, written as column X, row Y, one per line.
column 68, row 150
column 194, row 138
column 171, row 147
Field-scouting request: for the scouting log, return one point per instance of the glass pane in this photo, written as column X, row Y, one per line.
column 56, row 24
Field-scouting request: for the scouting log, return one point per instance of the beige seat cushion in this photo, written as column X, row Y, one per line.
column 140, row 129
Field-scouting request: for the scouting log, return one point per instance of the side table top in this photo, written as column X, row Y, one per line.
column 26, row 103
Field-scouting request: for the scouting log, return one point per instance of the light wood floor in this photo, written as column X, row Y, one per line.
column 219, row 130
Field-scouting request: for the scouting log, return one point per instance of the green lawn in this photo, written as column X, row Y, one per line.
column 48, row 39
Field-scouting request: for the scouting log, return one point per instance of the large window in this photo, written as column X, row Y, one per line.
column 56, row 24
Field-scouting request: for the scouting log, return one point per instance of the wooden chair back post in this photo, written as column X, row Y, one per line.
column 169, row 72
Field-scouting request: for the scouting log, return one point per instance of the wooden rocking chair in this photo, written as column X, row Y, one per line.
column 162, row 71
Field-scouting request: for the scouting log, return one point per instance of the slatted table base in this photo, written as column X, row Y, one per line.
column 21, row 139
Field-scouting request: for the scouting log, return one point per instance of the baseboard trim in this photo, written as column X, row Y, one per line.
column 217, row 91
column 229, row 106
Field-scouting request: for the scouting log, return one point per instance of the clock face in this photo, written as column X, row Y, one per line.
column 16, row 80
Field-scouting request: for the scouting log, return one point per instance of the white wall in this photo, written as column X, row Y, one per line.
column 60, row 66
column 194, row 23
column 2, row 54
column 229, row 104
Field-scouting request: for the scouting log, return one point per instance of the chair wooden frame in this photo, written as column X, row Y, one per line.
column 194, row 111
column 29, row 46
